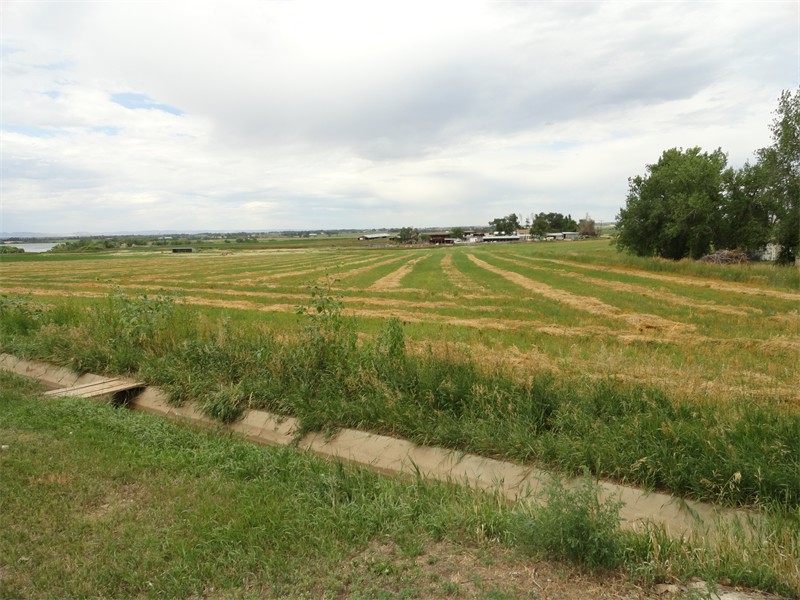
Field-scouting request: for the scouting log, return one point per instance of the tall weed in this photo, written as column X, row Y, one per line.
column 575, row 525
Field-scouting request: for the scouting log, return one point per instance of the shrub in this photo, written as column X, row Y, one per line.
column 575, row 525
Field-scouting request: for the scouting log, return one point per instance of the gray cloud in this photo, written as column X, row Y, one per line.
column 301, row 113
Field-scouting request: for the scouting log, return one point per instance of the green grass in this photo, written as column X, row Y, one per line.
column 130, row 505
column 602, row 252
column 747, row 454
column 482, row 352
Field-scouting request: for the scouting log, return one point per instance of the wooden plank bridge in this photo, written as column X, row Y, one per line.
column 97, row 388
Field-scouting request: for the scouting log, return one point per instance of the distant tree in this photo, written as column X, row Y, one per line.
column 540, row 225
column 11, row 250
column 566, row 223
column 548, row 222
column 408, row 235
column 457, row 232
column 673, row 211
column 587, row 228
column 505, row 225
column 689, row 202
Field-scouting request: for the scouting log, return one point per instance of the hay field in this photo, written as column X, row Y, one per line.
column 575, row 308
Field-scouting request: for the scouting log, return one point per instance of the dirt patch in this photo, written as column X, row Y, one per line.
column 51, row 479
column 445, row 569
column 126, row 497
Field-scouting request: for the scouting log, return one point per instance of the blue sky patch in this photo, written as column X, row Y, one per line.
column 106, row 129
column 32, row 131
column 134, row 101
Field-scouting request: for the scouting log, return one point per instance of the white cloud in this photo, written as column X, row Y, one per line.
column 360, row 114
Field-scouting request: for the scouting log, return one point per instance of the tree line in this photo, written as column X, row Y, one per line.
column 544, row 223
column 691, row 202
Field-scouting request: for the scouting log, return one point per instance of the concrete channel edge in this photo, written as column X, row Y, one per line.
column 393, row 456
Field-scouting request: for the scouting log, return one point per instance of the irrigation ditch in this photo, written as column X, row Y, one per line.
column 680, row 517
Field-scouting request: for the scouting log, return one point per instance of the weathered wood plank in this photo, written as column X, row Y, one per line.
column 98, row 388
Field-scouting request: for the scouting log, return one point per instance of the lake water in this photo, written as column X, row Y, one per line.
column 38, row 247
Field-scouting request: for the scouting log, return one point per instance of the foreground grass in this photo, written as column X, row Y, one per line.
column 128, row 505
column 100, row 502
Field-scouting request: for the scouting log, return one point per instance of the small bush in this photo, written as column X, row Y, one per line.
column 20, row 315
column 574, row 525
column 225, row 404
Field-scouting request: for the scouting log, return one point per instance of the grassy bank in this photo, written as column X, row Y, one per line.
column 737, row 454
column 128, row 505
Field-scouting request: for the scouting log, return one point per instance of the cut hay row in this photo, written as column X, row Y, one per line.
column 681, row 280
column 515, row 302
column 641, row 290
column 344, row 275
column 392, row 281
column 297, row 268
column 458, row 279
column 644, row 323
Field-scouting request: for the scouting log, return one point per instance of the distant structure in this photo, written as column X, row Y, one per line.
column 442, row 238
column 562, row 235
column 493, row 239
column 372, row 236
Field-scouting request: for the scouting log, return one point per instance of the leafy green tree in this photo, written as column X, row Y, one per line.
column 505, row 225
column 408, row 235
column 674, row 209
column 457, row 232
column 548, row 222
column 540, row 226
column 780, row 164
column 747, row 216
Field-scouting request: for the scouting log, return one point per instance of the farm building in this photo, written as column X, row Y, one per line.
column 500, row 238
column 442, row 238
column 372, row 236
column 183, row 250
column 562, row 235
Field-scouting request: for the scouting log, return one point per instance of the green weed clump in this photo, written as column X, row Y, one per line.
column 574, row 525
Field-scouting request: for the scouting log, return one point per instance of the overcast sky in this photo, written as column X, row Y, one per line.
column 238, row 115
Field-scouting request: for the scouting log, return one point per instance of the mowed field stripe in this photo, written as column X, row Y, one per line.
column 460, row 280
column 644, row 323
column 677, row 279
column 639, row 290
column 350, row 273
column 392, row 281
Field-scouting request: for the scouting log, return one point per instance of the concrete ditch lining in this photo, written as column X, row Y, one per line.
column 393, row 456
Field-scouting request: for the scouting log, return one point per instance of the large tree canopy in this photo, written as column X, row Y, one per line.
column 505, row 225
column 689, row 202
column 546, row 222
column 780, row 166
column 673, row 210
